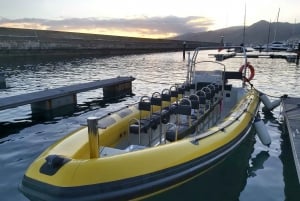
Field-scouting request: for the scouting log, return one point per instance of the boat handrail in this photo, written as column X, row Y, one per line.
column 223, row 126
column 156, row 100
column 132, row 121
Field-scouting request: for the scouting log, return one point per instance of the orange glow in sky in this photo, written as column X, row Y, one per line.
column 136, row 18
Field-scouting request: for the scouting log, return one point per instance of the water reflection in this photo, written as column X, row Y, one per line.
column 292, row 186
column 258, row 163
column 43, row 60
column 18, row 123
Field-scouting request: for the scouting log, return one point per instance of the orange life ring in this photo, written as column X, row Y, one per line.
column 252, row 71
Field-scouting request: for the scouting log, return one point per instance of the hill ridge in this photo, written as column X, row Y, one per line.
column 258, row 33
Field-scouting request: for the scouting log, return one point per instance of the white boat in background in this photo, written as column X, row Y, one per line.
column 276, row 46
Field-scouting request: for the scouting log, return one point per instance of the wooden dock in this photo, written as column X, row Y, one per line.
column 291, row 111
column 58, row 97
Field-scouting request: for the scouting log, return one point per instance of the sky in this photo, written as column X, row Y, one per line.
column 143, row 18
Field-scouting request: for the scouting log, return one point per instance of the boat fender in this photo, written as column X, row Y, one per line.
column 270, row 105
column 262, row 131
column 252, row 71
column 53, row 164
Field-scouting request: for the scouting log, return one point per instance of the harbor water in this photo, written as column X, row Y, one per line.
column 252, row 172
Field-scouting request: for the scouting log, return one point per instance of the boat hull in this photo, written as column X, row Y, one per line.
column 131, row 188
column 141, row 173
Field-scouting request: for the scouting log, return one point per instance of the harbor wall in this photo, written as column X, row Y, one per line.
column 27, row 42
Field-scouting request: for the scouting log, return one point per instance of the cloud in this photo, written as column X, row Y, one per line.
column 140, row 26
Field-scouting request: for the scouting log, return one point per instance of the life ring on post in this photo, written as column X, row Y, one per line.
column 252, row 71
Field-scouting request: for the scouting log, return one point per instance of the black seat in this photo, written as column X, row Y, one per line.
column 181, row 129
column 144, row 123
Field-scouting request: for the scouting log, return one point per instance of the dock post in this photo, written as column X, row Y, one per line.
column 2, row 81
column 118, row 90
column 298, row 54
column 183, row 51
column 93, row 136
column 54, row 103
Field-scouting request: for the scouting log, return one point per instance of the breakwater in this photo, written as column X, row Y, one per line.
column 29, row 42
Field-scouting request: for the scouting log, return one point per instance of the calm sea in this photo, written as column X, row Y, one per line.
column 253, row 172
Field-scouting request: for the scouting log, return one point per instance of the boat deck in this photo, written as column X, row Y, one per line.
column 157, row 136
column 291, row 111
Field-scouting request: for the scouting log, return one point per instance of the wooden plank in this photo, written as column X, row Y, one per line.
column 23, row 99
column 291, row 111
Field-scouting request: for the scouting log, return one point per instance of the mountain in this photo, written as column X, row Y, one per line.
column 257, row 33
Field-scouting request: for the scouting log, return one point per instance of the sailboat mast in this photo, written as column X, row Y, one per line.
column 269, row 33
column 275, row 32
column 244, row 32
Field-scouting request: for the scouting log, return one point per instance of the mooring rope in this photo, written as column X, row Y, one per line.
column 273, row 96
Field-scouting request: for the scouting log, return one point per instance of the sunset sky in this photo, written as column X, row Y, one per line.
column 142, row 18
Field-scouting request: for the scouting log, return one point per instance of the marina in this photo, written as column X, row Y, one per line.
column 253, row 169
column 149, row 101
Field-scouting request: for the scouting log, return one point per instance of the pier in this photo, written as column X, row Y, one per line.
column 289, row 57
column 291, row 111
column 64, row 96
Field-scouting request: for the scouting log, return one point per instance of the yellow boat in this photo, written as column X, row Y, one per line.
column 159, row 143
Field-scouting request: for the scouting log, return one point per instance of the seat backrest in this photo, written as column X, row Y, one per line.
column 194, row 101
column 184, row 107
column 144, row 104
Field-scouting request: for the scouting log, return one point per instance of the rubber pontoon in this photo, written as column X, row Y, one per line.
column 143, row 149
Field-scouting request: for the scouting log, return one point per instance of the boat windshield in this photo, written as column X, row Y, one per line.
column 208, row 64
